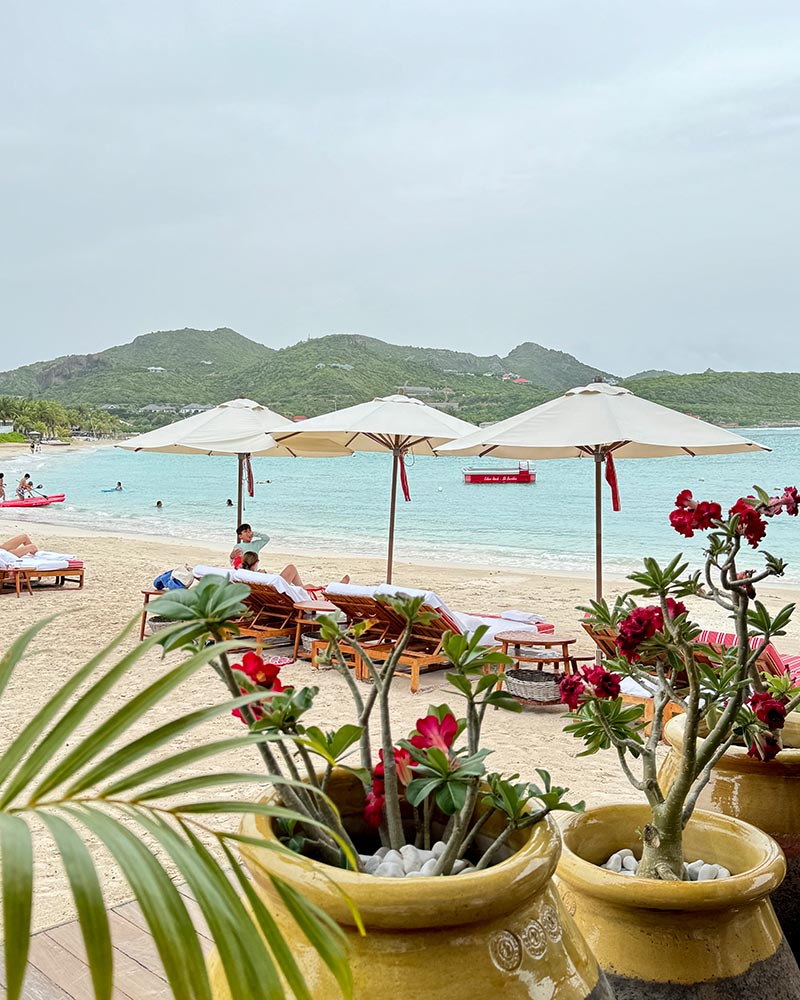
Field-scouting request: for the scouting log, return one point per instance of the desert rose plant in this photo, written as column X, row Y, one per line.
column 721, row 690
column 419, row 789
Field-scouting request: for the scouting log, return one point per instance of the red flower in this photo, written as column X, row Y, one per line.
column 373, row 805
column 690, row 516
column 571, row 688
column 675, row 608
column 255, row 708
column 768, row 710
column 259, row 672
column 766, row 747
column 683, row 522
column 705, row 513
column 751, row 523
column 403, row 762
column 791, row 500
column 433, row 733
column 641, row 624
column 605, row 684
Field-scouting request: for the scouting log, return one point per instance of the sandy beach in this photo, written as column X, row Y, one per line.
column 117, row 569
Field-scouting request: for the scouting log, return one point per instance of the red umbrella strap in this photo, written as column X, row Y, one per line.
column 611, row 479
column 250, row 485
column 404, row 478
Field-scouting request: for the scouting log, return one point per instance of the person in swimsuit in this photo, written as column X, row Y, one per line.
column 25, row 487
column 2, row 486
column 289, row 573
column 20, row 545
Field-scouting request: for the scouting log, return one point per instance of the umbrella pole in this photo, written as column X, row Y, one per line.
column 240, row 456
column 395, row 463
column 598, row 525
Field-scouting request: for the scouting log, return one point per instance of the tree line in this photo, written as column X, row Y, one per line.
column 52, row 420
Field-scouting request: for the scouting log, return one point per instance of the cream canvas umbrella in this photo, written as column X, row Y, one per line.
column 239, row 427
column 602, row 422
column 394, row 424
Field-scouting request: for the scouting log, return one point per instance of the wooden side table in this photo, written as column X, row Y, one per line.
column 147, row 595
column 307, row 612
column 517, row 639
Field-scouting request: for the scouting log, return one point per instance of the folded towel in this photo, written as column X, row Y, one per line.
column 527, row 617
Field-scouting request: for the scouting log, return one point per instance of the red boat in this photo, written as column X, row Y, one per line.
column 522, row 474
column 34, row 501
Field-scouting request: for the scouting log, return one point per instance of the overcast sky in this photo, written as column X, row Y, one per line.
column 616, row 180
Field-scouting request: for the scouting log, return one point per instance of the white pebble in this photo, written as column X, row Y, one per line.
column 428, row 867
column 389, row 870
column 626, row 852
column 424, row 855
column 393, row 858
column 694, row 869
column 723, row 872
column 413, row 874
column 371, row 865
column 381, row 852
column 629, row 863
column 459, row 866
column 614, row 863
column 411, row 859
column 707, row 873
column 438, row 848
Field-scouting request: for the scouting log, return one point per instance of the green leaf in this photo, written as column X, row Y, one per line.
column 419, row 789
column 89, row 903
column 162, row 905
column 16, row 852
column 17, row 650
column 103, row 735
column 330, row 946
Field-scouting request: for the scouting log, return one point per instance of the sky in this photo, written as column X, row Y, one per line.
column 618, row 180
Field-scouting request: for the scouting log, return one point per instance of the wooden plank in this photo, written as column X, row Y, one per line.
column 132, row 979
column 40, row 987
column 133, row 912
column 60, row 966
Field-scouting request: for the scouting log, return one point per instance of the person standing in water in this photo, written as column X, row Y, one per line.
column 159, row 505
column 118, row 488
column 2, row 486
column 25, row 487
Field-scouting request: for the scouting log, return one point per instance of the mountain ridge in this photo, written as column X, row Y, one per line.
column 170, row 369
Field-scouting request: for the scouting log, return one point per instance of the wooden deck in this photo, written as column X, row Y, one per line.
column 57, row 968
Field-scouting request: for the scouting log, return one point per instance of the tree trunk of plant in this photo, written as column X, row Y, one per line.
column 662, row 851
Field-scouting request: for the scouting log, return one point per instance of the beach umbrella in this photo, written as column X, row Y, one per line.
column 394, row 424
column 601, row 422
column 240, row 427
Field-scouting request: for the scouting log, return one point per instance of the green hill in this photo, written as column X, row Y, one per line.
column 176, row 367
column 744, row 398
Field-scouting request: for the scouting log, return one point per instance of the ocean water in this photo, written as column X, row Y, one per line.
column 341, row 504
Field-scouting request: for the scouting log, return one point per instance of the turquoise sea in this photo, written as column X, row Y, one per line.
column 341, row 505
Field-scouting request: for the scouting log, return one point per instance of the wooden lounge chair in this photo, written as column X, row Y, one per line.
column 270, row 604
column 21, row 574
column 424, row 649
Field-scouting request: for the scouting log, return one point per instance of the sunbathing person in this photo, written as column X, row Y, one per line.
column 20, row 545
column 289, row 573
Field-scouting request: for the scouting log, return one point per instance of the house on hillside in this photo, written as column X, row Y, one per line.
column 155, row 368
column 112, row 406
column 347, row 368
column 522, row 381
column 155, row 408
column 321, row 365
column 415, row 390
column 196, row 407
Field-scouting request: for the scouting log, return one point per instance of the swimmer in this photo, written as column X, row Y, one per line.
column 229, row 503
column 25, row 487
column 2, row 486
column 118, row 488
column 159, row 505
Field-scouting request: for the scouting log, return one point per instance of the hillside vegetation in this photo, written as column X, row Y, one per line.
column 174, row 368
column 744, row 398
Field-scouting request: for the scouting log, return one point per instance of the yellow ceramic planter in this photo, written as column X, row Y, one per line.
column 764, row 794
column 670, row 940
column 500, row 932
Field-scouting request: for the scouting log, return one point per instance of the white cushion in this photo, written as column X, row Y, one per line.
column 350, row 590
column 527, row 617
column 274, row 580
column 34, row 562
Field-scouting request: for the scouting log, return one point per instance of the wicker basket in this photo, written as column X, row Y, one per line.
column 156, row 623
column 307, row 638
column 538, row 687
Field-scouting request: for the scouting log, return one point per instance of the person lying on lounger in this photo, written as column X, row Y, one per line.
column 289, row 573
column 20, row 545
